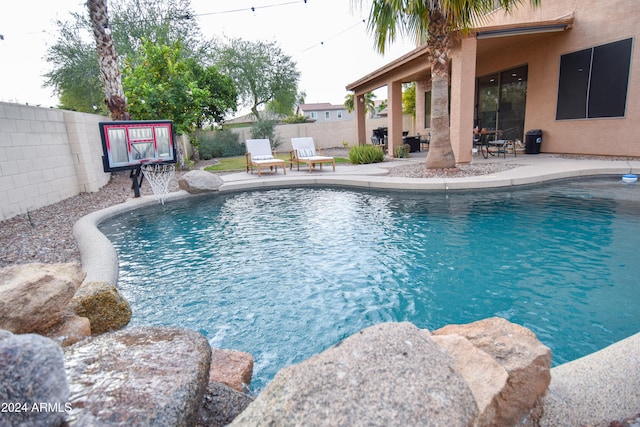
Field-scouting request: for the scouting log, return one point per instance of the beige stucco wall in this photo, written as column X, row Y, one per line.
column 595, row 22
column 327, row 134
column 46, row 155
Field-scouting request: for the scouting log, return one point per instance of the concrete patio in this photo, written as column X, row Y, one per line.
column 528, row 169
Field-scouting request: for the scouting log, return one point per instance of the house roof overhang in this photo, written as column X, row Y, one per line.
column 415, row 65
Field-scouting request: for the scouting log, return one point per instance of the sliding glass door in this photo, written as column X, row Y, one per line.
column 501, row 100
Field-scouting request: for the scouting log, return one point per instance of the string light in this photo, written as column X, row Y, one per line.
column 287, row 3
column 333, row 36
column 252, row 8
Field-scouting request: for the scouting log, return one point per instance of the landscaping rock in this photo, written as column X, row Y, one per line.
column 34, row 297
column 33, row 383
column 74, row 329
column 525, row 359
column 486, row 378
column 103, row 305
column 387, row 374
column 200, row 181
column 221, row 404
column 140, row 376
column 232, row 368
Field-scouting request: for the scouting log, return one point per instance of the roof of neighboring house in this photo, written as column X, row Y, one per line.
column 247, row 118
column 320, row 106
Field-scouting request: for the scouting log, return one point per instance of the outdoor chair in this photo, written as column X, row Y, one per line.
column 504, row 142
column 260, row 154
column 304, row 151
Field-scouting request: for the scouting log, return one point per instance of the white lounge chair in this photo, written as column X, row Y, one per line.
column 304, row 151
column 259, row 154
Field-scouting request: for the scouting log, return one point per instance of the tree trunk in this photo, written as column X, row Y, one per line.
column 440, row 154
column 109, row 69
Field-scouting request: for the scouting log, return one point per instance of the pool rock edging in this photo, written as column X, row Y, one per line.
column 398, row 374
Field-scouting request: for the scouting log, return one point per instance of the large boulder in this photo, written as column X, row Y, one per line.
column 387, row 374
column 525, row 359
column 33, row 384
column 486, row 378
column 100, row 302
column 35, row 297
column 73, row 329
column 200, row 181
column 138, row 377
column 232, row 368
column 221, row 404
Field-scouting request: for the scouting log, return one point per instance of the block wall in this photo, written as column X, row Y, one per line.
column 47, row 155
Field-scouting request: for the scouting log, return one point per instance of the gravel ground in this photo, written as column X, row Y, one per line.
column 45, row 235
column 420, row 171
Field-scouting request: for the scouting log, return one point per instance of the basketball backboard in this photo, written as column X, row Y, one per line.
column 128, row 145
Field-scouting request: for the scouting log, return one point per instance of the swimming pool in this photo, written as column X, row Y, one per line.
column 284, row 274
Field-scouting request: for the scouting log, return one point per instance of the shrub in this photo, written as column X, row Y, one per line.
column 402, row 151
column 293, row 119
column 220, row 143
column 265, row 128
column 365, row 154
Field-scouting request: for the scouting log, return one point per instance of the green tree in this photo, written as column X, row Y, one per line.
column 436, row 21
column 369, row 102
column 409, row 98
column 266, row 128
column 166, row 85
column 262, row 73
column 220, row 97
column 160, row 21
column 75, row 75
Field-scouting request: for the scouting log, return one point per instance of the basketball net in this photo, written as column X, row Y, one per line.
column 159, row 177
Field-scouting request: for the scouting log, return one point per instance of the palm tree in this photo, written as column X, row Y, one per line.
column 438, row 20
column 108, row 59
column 369, row 102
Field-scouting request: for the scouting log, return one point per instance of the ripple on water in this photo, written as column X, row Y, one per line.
column 284, row 274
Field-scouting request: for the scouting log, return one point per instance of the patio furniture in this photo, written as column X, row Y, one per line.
column 260, row 154
column 379, row 138
column 304, row 151
column 499, row 142
column 424, row 140
column 413, row 142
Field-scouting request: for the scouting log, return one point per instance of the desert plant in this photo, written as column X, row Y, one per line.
column 365, row 154
column 220, row 143
column 402, row 151
column 293, row 119
column 266, row 128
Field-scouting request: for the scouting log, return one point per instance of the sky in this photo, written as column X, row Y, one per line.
column 326, row 38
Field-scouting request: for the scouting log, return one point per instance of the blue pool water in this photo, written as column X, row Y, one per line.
column 284, row 274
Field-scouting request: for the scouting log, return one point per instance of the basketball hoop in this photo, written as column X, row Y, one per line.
column 159, row 176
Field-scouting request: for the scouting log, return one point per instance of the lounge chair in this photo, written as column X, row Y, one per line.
column 259, row 154
column 304, row 151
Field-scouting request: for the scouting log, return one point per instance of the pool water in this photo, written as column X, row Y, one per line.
column 286, row 273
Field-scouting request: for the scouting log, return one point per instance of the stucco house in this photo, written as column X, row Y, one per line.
column 324, row 112
column 568, row 67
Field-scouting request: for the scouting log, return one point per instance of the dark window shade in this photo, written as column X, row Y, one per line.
column 609, row 79
column 593, row 82
column 574, row 85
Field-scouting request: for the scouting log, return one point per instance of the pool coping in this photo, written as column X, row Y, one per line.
column 580, row 391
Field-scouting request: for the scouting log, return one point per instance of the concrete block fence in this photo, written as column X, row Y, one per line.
column 47, row 155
